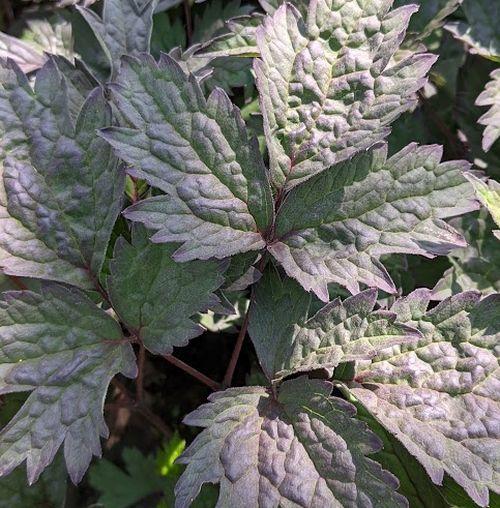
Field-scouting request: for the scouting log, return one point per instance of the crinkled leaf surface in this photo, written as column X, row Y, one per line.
column 155, row 296
column 335, row 226
column 488, row 192
column 475, row 267
column 197, row 151
column 480, row 31
column 414, row 482
column 491, row 119
column 61, row 188
column 289, row 339
column 302, row 448
column 440, row 395
column 125, row 27
column 62, row 348
column 327, row 84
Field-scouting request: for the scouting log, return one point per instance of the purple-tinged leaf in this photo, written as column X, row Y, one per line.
column 289, row 338
column 125, row 28
column 440, row 395
column 155, row 296
column 475, row 267
column 198, row 152
column 480, row 30
column 58, row 345
column 61, row 187
column 303, row 448
column 335, row 226
column 328, row 86
column 490, row 96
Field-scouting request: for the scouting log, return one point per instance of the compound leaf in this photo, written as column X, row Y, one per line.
column 289, row 340
column 303, row 448
column 125, row 27
column 335, row 226
column 61, row 189
column 155, row 296
column 440, row 394
column 198, row 152
column 327, row 84
column 62, row 348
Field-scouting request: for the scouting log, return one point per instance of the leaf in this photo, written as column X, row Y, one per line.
column 48, row 492
column 473, row 77
column 489, row 194
column 62, row 188
column 430, row 16
column 329, row 88
column 62, row 348
column 475, row 267
column 239, row 39
column 490, row 97
column 119, row 488
column 480, row 32
column 335, row 227
column 211, row 20
column 415, row 484
column 155, row 296
column 166, row 34
column 43, row 35
column 288, row 338
column 198, row 152
column 439, row 395
column 302, row 448
column 125, row 28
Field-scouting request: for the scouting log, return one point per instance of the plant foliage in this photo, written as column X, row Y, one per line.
column 266, row 168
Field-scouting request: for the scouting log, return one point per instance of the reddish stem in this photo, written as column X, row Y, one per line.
column 193, row 372
column 228, row 378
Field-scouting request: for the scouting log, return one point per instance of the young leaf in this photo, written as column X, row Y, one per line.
column 62, row 348
column 328, row 86
column 288, row 341
column 302, row 448
column 334, row 227
column 489, row 194
column 155, row 296
column 475, row 267
column 198, row 152
column 125, row 27
column 480, row 32
column 439, row 395
column 61, row 189
column 490, row 97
